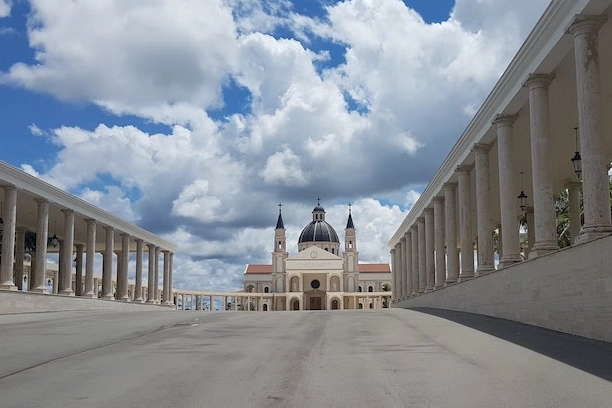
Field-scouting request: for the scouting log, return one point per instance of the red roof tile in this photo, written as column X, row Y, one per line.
column 258, row 268
column 374, row 268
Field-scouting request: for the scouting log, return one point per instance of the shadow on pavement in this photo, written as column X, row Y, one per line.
column 592, row 356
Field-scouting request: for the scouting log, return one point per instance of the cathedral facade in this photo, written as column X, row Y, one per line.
column 320, row 276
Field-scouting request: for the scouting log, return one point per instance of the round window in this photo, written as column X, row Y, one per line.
column 315, row 284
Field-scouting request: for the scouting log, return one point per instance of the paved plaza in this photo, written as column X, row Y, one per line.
column 383, row 358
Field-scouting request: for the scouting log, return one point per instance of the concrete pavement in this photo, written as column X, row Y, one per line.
column 391, row 358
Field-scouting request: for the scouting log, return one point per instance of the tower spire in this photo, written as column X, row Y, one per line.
column 349, row 223
column 279, row 222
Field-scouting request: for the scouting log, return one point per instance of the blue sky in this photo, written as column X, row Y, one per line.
column 194, row 119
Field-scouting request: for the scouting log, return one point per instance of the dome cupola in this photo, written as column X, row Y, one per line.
column 318, row 232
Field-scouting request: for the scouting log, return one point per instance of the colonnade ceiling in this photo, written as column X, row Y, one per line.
column 29, row 189
column 548, row 50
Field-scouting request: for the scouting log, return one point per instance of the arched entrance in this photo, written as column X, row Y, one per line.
column 295, row 304
column 334, row 304
column 265, row 307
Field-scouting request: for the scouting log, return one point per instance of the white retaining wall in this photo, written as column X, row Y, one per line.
column 569, row 291
column 26, row 302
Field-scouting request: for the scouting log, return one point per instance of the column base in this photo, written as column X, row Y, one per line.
column 438, row 286
column 591, row 233
column 40, row 289
column 421, row 290
column 108, row 297
column 413, row 294
column 465, row 276
column 485, row 269
column 509, row 260
column 150, row 302
column 542, row 248
column 429, row 289
column 450, row 281
column 67, row 292
column 8, row 286
column 126, row 299
column 138, row 300
column 91, row 295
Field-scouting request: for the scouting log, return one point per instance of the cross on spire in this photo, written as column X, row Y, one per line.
column 280, row 206
column 350, row 205
column 318, row 200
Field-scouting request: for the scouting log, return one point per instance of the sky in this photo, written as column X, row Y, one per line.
column 194, row 118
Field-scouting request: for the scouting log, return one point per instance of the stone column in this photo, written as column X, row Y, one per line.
column 409, row 284
column 66, row 253
column 465, row 222
column 450, row 235
column 78, row 286
column 19, row 255
column 508, row 187
column 107, row 265
column 486, row 261
column 439, row 242
column 430, row 265
column 42, row 233
column 170, row 272
column 91, row 289
column 402, row 268
column 541, row 166
column 394, row 277
column 125, row 257
column 422, row 255
column 151, row 277
column 156, row 278
column 574, row 190
column 9, row 217
column 138, row 277
column 595, row 180
column 166, row 286
column 530, row 230
column 416, row 282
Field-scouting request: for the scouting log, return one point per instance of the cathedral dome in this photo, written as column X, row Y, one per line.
column 318, row 231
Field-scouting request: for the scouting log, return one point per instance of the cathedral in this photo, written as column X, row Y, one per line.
column 320, row 276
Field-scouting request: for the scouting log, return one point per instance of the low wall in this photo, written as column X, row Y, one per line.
column 568, row 291
column 26, row 302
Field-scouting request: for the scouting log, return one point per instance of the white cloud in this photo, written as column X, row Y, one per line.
column 284, row 167
column 5, row 8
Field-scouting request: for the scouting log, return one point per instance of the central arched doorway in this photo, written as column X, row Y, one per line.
column 335, row 304
column 295, row 304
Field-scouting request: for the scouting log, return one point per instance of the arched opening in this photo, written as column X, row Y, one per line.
column 360, row 305
column 359, row 289
column 250, row 288
column 333, row 251
column 295, row 304
column 370, row 288
column 265, row 307
column 280, row 245
column 334, row 283
column 295, row 284
column 334, row 304
column 266, row 290
column 372, row 305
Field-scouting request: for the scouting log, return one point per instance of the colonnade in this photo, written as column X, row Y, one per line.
column 71, row 248
column 436, row 244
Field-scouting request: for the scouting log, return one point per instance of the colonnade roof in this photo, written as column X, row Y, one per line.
column 548, row 49
column 30, row 188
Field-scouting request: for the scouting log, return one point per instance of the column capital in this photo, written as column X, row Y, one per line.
column 109, row 228
column 502, row 120
column 8, row 187
column 403, row 238
column 90, row 221
column 449, row 185
column 407, row 233
column 392, row 251
column 586, row 23
column 480, row 148
column 165, row 251
column 67, row 211
column 414, row 227
column 41, row 200
column 421, row 219
column 464, row 168
column 20, row 228
column 438, row 200
column 534, row 81
column 397, row 245
column 137, row 239
column 79, row 245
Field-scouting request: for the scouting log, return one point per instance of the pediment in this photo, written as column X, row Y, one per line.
column 314, row 253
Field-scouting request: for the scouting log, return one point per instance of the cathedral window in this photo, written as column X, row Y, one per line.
column 266, row 290
column 370, row 288
column 360, row 289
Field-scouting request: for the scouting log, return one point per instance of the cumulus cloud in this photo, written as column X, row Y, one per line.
column 376, row 121
column 5, row 8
